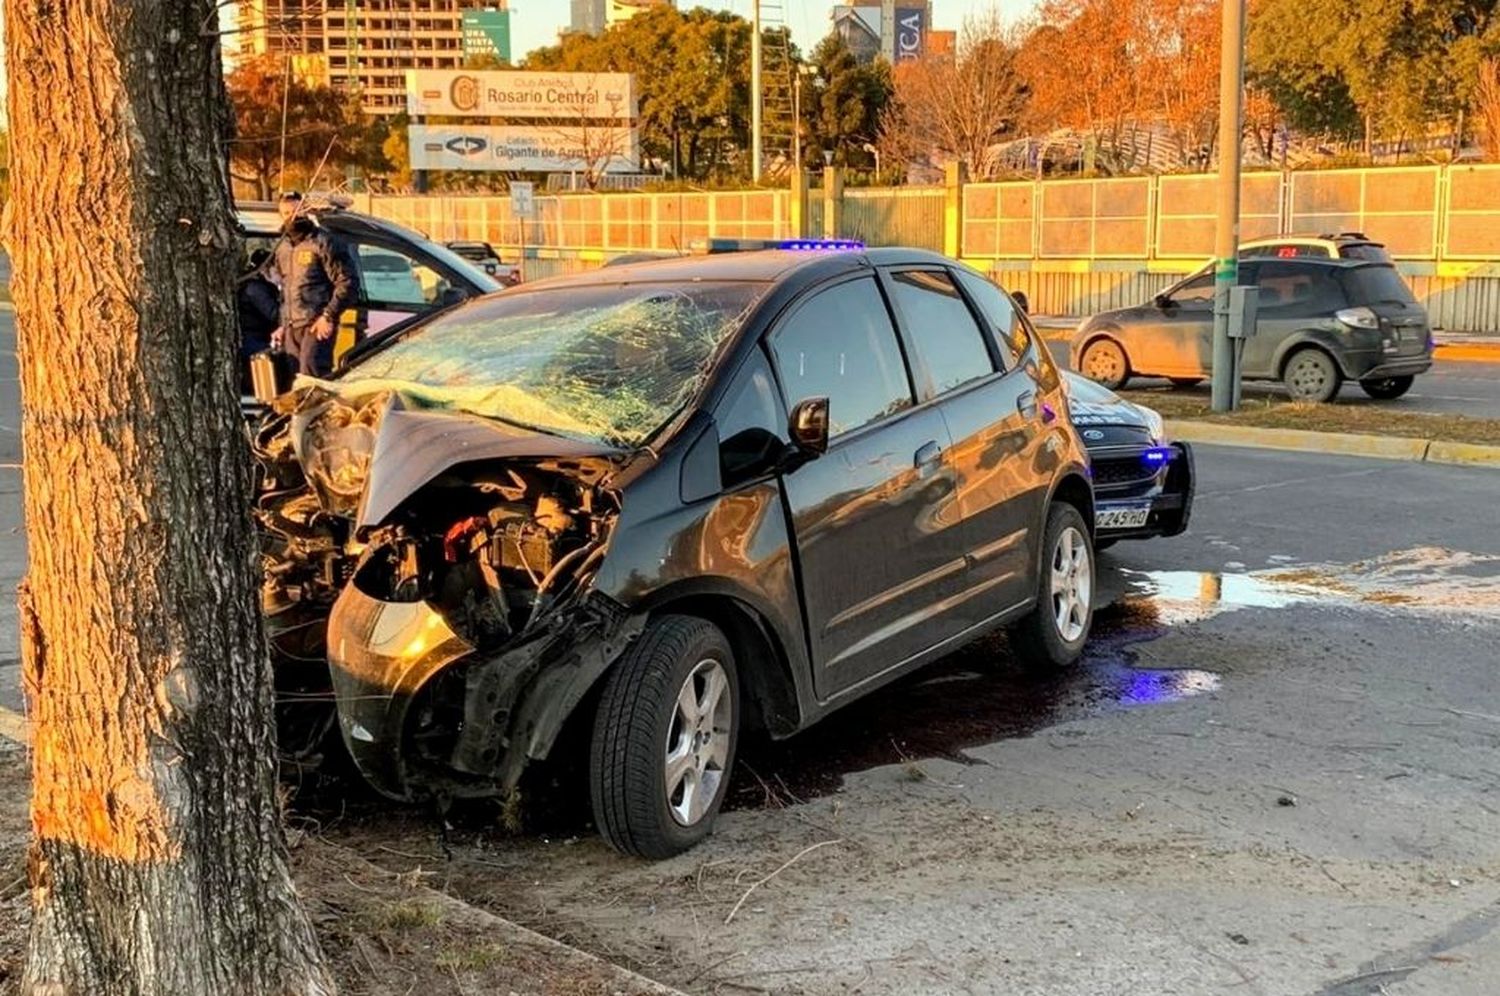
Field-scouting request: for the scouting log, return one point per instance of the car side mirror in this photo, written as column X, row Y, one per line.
column 1164, row 302
column 808, row 426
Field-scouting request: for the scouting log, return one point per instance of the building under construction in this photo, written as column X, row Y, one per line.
column 365, row 46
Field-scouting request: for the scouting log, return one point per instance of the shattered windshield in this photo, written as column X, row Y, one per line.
column 608, row 362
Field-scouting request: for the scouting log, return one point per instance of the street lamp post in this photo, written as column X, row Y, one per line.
column 1227, row 239
column 757, row 99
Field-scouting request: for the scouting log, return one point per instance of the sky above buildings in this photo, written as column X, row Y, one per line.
column 535, row 23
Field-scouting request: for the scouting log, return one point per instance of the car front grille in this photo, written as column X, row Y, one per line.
column 1123, row 473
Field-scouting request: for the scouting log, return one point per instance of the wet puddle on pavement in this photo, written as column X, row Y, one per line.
column 977, row 696
column 980, row 695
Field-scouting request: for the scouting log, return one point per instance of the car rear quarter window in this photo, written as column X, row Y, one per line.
column 1000, row 314
column 1368, row 251
column 1377, row 285
column 941, row 328
column 841, row 345
column 1293, row 288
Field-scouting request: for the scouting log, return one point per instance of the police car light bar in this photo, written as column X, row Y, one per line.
column 716, row 245
column 821, row 245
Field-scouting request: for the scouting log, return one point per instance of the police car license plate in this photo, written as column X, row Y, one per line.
column 1122, row 516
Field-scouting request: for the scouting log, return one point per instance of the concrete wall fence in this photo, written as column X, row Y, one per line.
column 1074, row 246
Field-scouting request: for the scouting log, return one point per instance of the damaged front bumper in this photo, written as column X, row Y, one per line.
column 423, row 714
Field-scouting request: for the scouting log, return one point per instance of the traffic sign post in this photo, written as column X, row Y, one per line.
column 522, row 208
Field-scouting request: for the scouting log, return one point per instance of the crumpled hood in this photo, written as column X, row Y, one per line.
column 366, row 454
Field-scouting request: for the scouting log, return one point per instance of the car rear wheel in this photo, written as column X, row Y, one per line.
column 1185, row 381
column 1311, row 375
column 664, row 738
column 1052, row 635
column 1387, row 388
column 1104, row 362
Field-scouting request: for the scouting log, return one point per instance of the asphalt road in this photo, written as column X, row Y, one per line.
column 1450, row 387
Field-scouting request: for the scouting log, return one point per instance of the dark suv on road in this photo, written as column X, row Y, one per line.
column 1321, row 321
column 675, row 498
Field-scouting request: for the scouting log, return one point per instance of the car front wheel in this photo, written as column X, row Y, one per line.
column 1311, row 375
column 1387, row 388
column 1104, row 362
column 1052, row 635
column 664, row 738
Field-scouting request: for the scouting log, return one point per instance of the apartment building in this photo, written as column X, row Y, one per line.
column 366, row 45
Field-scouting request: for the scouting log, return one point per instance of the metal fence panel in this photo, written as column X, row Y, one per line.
column 1098, row 219
column 1469, row 225
column 1187, row 219
column 904, row 216
column 1000, row 220
column 1397, row 206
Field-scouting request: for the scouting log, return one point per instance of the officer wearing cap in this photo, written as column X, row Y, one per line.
column 318, row 282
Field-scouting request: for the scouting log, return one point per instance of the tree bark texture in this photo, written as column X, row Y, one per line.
column 157, row 864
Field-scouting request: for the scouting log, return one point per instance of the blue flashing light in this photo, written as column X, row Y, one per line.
column 822, row 245
column 1157, row 456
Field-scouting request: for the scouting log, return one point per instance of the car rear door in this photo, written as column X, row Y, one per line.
column 1292, row 297
column 968, row 350
column 876, row 517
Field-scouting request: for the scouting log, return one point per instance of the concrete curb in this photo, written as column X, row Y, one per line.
column 1338, row 443
column 1468, row 352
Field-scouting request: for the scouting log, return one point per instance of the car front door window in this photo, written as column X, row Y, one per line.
column 1195, row 295
column 841, row 345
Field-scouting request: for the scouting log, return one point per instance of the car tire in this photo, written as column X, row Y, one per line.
column 1104, row 362
column 1311, row 375
column 1387, row 388
column 664, row 738
column 1185, row 382
column 1052, row 635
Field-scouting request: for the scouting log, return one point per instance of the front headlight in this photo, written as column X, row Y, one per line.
column 1155, row 424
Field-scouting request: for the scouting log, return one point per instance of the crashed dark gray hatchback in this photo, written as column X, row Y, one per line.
column 687, row 496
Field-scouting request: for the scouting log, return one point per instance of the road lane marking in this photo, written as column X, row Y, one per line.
column 1286, row 484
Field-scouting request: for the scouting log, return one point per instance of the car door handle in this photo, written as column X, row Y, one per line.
column 1026, row 403
column 928, row 455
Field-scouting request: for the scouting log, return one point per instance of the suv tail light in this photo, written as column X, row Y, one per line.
column 1358, row 318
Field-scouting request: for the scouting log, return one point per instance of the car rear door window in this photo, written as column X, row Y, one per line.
column 1000, row 312
column 1289, row 287
column 841, row 345
column 941, row 328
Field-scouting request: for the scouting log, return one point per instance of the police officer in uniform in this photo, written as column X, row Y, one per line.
column 318, row 282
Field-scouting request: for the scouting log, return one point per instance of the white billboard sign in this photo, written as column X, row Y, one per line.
column 525, row 148
column 506, row 94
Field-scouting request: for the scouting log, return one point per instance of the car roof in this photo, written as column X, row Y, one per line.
column 1340, row 237
column 765, row 265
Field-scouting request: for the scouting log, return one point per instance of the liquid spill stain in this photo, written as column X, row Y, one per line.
column 1422, row 579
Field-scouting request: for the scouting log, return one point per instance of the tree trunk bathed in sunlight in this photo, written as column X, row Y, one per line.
column 157, row 864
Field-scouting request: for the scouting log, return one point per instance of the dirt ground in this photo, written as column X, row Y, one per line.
column 385, row 934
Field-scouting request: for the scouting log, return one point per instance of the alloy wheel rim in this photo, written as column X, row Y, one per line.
column 1102, row 364
column 697, row 754
column 1072, row 584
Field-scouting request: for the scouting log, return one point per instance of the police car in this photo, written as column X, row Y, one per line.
column 402, row 274
column 1143, row 483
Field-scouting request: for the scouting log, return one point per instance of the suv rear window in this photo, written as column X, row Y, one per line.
column 1377, row 285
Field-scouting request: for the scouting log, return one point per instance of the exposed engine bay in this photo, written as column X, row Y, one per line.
column 423, row 574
